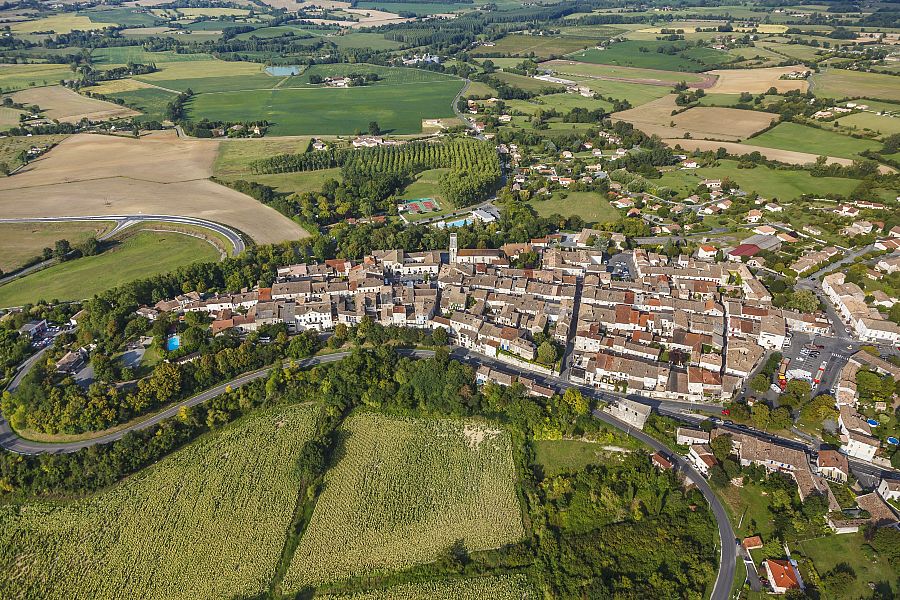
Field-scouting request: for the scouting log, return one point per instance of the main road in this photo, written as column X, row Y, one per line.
column 11, row 441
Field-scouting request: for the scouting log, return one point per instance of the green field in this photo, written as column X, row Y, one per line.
column 635, row 93
column 783, row 184
column 209, row 521
column 628, row 54
column 426, row 185
column 388, row 75
column 372, row 41
column 141, row 255
column 529, row 84
column 597, row 70
column 19, row 77
column 121, row 55
column 570, row 456
column 418, row 8
column 827, row 552
column 153, row 102
column 561, row 102
column 536, row 45
column 125, row 17
column 20, row 242
column 210, row 76
column 292, row 111
column 506, row 587
column 590, row 206
column 801, row 138
column 884, row 124
column 402, row 493
column 235, row 155
column 840, row 83
column 729, row 100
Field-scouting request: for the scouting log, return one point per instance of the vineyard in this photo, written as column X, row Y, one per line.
column 497, row 588
column 207, row 522
column 405, row 491
column 474, row 167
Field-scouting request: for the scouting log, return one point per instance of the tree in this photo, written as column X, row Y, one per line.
column 721, row 447
column 546, row 353
column 576, row 400
column 62, row 248
column 759, row 383
column 796, row 394
column 760, row 415
column 803, row 301
column 439, row 336
column 839, row 579
column 781, row 418
column 374, row 128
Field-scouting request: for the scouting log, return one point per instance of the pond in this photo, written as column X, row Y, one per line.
column 283, row 71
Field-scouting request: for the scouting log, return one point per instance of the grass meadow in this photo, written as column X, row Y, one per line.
column 590, row 206
column 505, row 587
column 293, row 111
column 141, row 255
column 20, row 242
column 402, row 492
column 208, row 521
column 801, row 138
column 629, row 54
column 19, row 77
column 841, row 83
column 783, row 184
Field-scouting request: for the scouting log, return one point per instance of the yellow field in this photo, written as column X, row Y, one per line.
column 9, row 117
column 67, row 106
column 118, row 85
column 59, row 23
column 756, row 81
column 702, row 122
column 158, row 174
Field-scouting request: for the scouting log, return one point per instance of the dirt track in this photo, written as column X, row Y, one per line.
column 159, row 174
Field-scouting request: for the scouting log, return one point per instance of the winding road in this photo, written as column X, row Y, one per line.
column 10, row 441
column 124, row 221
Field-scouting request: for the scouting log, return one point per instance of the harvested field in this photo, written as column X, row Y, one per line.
column 119, row 85
column 703, row 122
column 785, row 156
column 67, row 106
column 161, row 174
column 756, row 81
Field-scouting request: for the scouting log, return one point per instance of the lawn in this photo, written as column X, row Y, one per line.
column 141, row 255
column 840, row 83
column 20, row 242
column 18, row 77
column 629, row 54
column 750, row 503
column 827, row 552
column 208, row 521
column 397, row 108
column 783, row 184
column 569, row 456
column 883, row 124
column 801, row 138
column 590, row 206
column 402, row 492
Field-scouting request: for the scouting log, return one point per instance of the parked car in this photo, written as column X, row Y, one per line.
column 774, row 387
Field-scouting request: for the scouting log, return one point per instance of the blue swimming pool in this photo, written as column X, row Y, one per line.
column 173, row 342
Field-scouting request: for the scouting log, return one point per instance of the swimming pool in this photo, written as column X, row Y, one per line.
column 173, row 342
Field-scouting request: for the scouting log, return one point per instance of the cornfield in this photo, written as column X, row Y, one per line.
column 514, row 587
column 405, row 491
column 209, row 521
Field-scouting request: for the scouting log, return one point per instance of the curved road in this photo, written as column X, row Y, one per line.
column 123, row 221
column 727, row 543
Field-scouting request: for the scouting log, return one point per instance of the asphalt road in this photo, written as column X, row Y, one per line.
column 727, row 541
column 123, row 221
